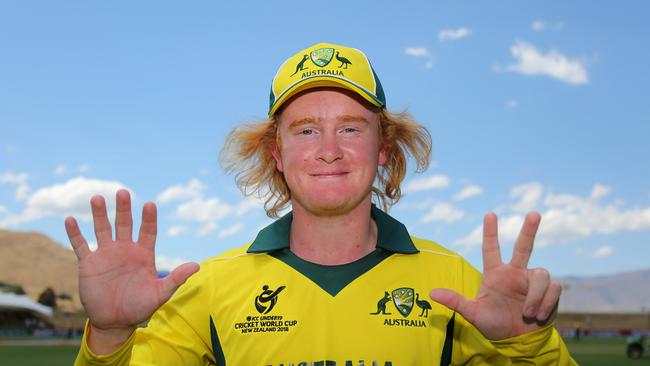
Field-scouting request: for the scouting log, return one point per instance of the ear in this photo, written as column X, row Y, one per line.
column 278, row 158
column 382, row 155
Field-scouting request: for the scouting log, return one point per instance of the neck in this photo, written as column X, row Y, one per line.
column 332, row 240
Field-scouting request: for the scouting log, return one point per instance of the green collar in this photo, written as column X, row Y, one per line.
column 391, row 234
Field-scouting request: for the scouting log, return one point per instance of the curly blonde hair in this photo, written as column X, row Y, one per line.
column 247, row 152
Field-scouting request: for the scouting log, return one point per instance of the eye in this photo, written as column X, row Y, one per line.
column 350, row 130
column 307, row 132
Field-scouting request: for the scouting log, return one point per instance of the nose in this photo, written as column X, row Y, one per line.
column 329, row 150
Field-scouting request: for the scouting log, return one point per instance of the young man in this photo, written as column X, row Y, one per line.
column 335, row 282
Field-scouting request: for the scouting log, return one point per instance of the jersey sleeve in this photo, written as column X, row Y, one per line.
column 177, row 334
column 470, row 347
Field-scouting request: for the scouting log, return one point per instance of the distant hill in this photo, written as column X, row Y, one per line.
column 36, row 262
column 621, row 292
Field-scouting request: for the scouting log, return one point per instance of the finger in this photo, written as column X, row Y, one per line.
column 149, row 226
column 548, row 307
column 455, row 302
column 79, row 244
column 179, row 275
column 123, row 218
column 103, row 231
column 538, row 281
column 491, row 250
column 524, row 243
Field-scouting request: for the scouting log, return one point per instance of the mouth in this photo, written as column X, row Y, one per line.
column 329, row 174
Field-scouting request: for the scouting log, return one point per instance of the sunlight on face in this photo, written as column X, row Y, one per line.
column 329, row 151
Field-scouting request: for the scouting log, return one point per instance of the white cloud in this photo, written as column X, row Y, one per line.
column 467, row 192
column 566, row 217
column 13, row 178
column 540, row 26
column 530, row 61
column 420, row 52
column 230, row 231
column 192, row 190
column 529, row 195
column 509, row 227
column 415, row 204
column 167, row 264
column 427, row 183
column 203, row 210
column 247, row 204
column 65, row 199
column 443, row 212
column 511, row 104
column 22, row 192
column 60, row 169
column 206, row 212
column 73, row 196
column 176, row 230
column 599, row 191
column 20, row 180
column 207, row 228
column 3, row 209
column 571, row 217
column 84, row 168
column 603, row 251
column 453, row 34
column 417, row 51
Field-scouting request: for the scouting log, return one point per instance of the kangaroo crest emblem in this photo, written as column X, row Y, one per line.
column 322, row 56
column 403, row 300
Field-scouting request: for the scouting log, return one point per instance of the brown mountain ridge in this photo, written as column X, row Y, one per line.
column 35, row 262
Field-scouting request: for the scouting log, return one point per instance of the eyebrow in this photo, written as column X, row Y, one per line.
column 350, row 118
column 301, row 121
column 341, row 118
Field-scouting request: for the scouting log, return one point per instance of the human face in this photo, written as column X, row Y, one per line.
column 329, row 150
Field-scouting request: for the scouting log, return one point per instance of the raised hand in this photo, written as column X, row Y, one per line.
column 118, row 283
column 513, row 299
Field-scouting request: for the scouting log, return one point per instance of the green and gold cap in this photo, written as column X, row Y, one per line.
column 326, row 64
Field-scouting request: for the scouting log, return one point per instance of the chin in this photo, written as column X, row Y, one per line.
column 329, row 210
column 321, row 206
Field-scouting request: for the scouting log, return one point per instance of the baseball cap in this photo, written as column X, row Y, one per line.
column 326, row 64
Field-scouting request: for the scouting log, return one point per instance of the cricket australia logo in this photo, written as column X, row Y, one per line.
column 265, row 302
column 322, row 56
column 403, row 300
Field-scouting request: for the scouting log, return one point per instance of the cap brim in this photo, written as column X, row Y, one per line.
column 323, row 81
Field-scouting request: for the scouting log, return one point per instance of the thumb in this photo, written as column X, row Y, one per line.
column 177, row 277
column 454, row 301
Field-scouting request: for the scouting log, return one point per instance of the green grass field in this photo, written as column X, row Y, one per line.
column 603, row 352
column 587, row 351
column 37, row 355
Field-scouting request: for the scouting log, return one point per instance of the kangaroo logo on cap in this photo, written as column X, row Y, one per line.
column 322, row 56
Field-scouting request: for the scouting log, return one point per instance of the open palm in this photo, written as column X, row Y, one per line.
column 118, row 283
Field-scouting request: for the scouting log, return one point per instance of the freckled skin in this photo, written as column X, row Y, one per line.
column 329, row 150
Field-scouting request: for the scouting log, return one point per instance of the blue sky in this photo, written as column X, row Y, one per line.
column 532, row 106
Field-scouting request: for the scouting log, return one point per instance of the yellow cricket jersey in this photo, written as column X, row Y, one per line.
column 261, row 305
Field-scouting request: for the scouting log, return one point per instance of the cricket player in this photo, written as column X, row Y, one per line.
column 337, row 280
